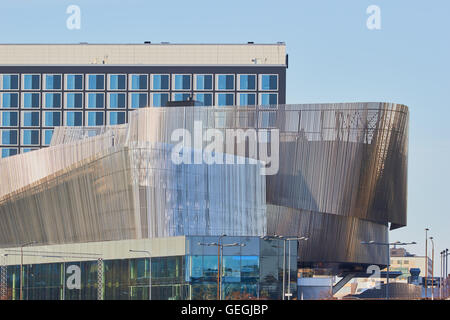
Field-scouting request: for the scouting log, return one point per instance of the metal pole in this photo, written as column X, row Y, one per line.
column 289, row 270
column 284, row 266
column 426, row 263
column 218, row 272
column 432, row 268
column 150, row 277
column 388, row 269
column 446, row 273
column 441, row 278
column 21, row 273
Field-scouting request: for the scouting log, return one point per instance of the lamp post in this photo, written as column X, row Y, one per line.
column 446, row 273
column 426, row 262
column 220, row 247
column 441, row 278
column 278, row 237
column 21, row 266
column 150, row 271
column 388, row 245
column 432, row 268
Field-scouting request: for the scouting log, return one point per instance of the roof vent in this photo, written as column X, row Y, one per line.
column 147, row 42
column 250, row 42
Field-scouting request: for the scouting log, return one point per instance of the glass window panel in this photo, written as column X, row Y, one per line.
column 31, row 82
column 181, row 96
column 116, row 118
column 52, row 100
column 95, row 118
column 160, row 82
column 117, row 100
column 247, row 99
column 225, row 99
column 96, row 81
column 30, row 137
column 269, row 99
column 225, row 82
column 31, row 100
column 9, row 119
column 48, row 136
column 7, row 152
column 204, row 82
column 74, row 100
column 10, row 100
column 206, row 99
column 269, row 82
column 74, row 118
column 138, row 81
column 10, row 82
column 117, row 82
column 31, row 119
column 74, row 82
column 247, row 82
column 182, row 82
column 95, row 100
column 160, row 99
column 52, row 118
column 53, row 81
column 138, row 100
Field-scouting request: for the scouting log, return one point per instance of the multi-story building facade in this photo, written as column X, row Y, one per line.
column 45, row 86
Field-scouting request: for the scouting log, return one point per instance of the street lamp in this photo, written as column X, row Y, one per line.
column 278, row 237
column 432, row 269
column 387, row 244
column 150, row 275
column 220, row 247
column 21, row 266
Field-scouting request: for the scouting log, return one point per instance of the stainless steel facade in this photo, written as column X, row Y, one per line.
column 341, row 180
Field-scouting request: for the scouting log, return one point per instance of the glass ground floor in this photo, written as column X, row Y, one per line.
column 249, row 268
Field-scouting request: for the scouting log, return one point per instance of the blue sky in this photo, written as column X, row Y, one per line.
column 333, row 57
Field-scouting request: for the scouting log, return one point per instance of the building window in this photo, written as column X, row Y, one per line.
column 160, row 99
column 160, row 82
column 268, row 99
column 138, row 100
column 96, row 81
column 10, row 82
column 116, row 117
column 74, row 82
column 48, row 134
column 116, row 100
column 182, row 96
column 95, row 118
column 10, row 100
column 31, row 82
column 9, row 118
column 138, row 82
column 269, row 82
column 74, row 118
column 9, row 137
column 25, row 150
column 225, row 99
column 52, row 118
column 30, row 136
column 247, row 82
column 95, row 100
column 182, row 82
column 225, row 82
column 74, row 100
column 30, row 119
column 7, row 152
column 117, row 81
column 31, row 100
column 53, row 82
column 206, row 99
column 247, row 99
column 52, row 100
column 203, row 82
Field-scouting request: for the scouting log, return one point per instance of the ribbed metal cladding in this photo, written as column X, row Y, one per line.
column 341, row 179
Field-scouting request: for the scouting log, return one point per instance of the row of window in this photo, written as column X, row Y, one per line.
column 96, row 100
column 30, row 137
column 139, row 82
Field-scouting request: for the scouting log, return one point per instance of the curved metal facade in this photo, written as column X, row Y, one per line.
column 341, row 179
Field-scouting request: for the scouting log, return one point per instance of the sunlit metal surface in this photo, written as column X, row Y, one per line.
column 342, row 179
